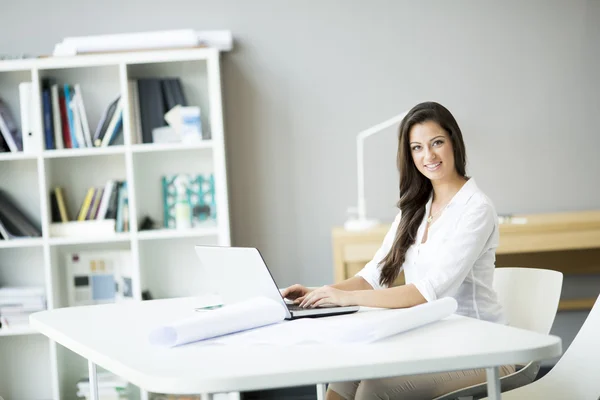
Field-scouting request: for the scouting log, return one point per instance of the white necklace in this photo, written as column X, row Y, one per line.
column 432, row 216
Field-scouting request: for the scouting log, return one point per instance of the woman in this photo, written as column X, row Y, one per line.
column 444, row 239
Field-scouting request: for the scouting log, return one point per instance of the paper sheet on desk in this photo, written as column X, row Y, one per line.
column 363, row 327
column 237, row 317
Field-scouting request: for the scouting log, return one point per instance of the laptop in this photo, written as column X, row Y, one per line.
column 240, row 273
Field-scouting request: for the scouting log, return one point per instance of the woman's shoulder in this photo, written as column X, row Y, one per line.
column 477, row 200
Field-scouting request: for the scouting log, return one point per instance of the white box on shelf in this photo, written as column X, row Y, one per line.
column 92, row 228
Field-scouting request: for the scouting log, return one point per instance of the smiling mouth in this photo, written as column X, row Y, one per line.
column 433, row 167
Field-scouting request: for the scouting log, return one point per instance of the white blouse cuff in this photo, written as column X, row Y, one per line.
column 426, row 290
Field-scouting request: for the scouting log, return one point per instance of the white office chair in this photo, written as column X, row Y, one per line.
column 576, row 375
column 530, row 299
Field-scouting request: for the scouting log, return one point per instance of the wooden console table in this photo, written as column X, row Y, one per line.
column 568, row 242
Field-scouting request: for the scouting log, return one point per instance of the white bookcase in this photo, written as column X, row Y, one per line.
column 32, row 367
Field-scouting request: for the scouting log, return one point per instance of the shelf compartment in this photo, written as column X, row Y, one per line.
column 193, row 77
column 99, row 87
column 24, row 195
column 59, row 256
column 150, row 170
column 173, row 269
column 76, row 175
column 25, row 371
column 9, row 92
column 22, row 267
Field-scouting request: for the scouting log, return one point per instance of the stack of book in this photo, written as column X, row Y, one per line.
column 150, row 99
column 14, row 223
column 104, row 210
column 17, row 303
column 110, row 387
column 65, row 119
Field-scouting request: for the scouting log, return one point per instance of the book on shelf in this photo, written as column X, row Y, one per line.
column 150, row 100
column 103, row 211
column 65, row 118
column 47, row 114
column 31, row 143
column 13, row 221
column 9, row 130
column 109, row 124
column 98, row 277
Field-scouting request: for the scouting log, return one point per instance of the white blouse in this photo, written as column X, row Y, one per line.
column 458, row 258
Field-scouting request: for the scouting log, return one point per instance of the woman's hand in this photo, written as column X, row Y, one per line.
column 296, row 293
column 327, row 295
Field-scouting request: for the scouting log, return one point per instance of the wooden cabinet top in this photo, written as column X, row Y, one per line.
column 541, row 232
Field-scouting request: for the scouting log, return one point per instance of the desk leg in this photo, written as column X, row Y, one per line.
column 229, row 396
column 493, row 383
column 321, row 391
column 93, row 380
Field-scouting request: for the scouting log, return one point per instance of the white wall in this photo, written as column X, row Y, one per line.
column 306, row 76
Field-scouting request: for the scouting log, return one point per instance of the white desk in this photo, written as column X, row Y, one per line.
column 115, row 337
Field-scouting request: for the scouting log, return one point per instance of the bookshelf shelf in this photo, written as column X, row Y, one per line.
column 18, row 331
column 17, row 156
column 17, row 243
column 162, row 261
column 63, row 241
column 94, row 151
column 175, row 233
column 147, row 148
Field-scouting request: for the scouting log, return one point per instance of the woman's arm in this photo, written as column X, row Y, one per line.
column 396, row 297
column 354, row 283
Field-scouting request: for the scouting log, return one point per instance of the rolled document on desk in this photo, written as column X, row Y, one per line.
column 376, row 326
column 249, row 314
column 366, row 326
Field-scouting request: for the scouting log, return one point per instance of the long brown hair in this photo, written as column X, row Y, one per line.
column 415, row 188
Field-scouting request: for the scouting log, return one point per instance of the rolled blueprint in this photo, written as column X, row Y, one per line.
column 249, row 314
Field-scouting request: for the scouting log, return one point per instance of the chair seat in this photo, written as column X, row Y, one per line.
column 522, row 376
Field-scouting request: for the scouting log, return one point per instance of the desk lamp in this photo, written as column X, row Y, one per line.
column 361, row 222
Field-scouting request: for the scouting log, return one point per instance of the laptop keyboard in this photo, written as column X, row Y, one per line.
column 296, row 307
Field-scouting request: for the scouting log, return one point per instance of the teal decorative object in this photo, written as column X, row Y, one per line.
column 200, row 193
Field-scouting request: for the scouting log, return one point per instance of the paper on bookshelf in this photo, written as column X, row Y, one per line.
column 99, row 277
column 359, row 328
column 178, row 38
column 253, row 313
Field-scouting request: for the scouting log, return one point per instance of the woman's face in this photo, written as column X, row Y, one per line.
column 431, row 150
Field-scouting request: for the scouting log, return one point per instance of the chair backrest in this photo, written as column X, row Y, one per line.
column 575, row 375
column 529, row 296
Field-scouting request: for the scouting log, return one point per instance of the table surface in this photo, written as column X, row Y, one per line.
column 115, row 337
